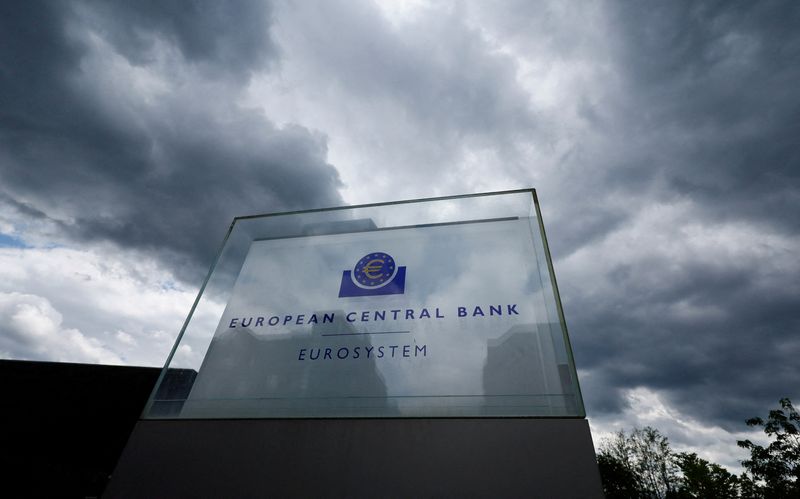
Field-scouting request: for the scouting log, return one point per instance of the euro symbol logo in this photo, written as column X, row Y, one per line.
column 373, row 268
column 375, row 274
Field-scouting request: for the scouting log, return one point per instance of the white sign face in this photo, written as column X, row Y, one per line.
column 425, row 321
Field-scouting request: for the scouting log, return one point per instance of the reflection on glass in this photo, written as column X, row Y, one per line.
column 443, row 307
column 267, row 374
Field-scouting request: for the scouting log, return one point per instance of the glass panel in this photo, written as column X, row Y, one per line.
column 443, row 307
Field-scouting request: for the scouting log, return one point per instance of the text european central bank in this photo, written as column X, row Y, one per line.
column 441, row 307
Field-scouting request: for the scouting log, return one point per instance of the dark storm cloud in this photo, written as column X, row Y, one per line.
column 714, row 85
column 163, row 171
column 696, row 99
column 715, row 339
column 229, row 35
column 711, row 89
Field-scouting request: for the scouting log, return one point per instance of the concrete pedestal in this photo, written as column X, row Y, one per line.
column 547, row 458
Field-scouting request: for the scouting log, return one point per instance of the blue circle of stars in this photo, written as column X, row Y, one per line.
column 374, row 269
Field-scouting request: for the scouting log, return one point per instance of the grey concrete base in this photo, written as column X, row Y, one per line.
column 546, row 458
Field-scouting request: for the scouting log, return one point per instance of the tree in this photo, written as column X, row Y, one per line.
column 619, row 481
column 702, row 479
column 645, row 458
column 774, row 471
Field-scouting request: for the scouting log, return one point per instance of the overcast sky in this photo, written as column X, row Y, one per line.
column 663, row 139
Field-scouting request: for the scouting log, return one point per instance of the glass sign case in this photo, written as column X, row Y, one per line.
column 443, row 307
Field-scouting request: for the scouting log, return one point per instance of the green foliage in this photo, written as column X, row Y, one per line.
column 619, row 481
column 702, row 479
column 641, row 465
column 640, row 462
column 773, row 472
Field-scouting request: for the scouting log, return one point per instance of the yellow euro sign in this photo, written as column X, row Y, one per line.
column 373, row 268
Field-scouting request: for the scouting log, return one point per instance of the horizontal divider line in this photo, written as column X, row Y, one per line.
column 364, row 334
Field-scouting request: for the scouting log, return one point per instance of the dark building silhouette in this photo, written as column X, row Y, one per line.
column 63, row 426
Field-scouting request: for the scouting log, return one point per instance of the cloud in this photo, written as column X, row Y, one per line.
column 709, row 86
column 686, row 434
column 702, row 311
column 120, row 135
column 32, row 329
column 414, row 109
column 231, row 36
column 91, row 306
